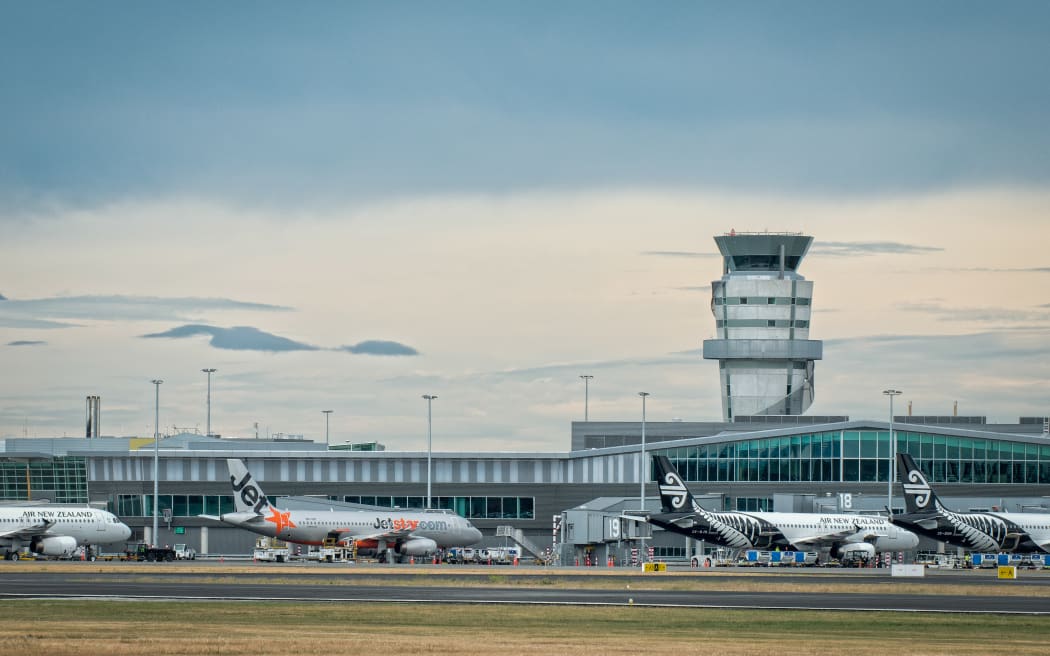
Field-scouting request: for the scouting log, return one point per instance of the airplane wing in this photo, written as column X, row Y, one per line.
column 685, row 520
column 379, row 535
column 26, row 532
column 238, row 519
column 823, row 538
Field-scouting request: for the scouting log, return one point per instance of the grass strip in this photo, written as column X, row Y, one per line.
column 114, row 628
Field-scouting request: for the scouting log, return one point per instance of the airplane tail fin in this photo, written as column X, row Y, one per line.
column 247, row 495
column 674, row 495
column 919, row 497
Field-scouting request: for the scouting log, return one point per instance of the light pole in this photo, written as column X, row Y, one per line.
column 430, row 441
column 327, row 413
column 642, row 475
column 586, row 394
column 893, row 453
column 209, row 372
column 156, row 453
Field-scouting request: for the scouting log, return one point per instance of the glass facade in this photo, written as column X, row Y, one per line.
column 469, row 507
column 62, row 480
column 181, row 505
column 191, row 505
column 863, row 456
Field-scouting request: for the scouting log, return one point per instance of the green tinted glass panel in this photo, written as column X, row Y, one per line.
column 869, row 445
column 851, row 445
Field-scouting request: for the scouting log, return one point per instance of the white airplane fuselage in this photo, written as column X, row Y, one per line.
column 57, row 530
column 445, row 528
column 405, row 533
column 799, row 528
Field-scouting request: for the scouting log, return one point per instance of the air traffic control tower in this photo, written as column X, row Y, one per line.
column 762, row 311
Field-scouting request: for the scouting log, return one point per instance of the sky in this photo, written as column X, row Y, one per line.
column 345, row 206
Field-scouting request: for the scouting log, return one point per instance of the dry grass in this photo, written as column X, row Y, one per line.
column 59, row 628
column 730, row 580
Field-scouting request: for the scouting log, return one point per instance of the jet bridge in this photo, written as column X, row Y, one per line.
column 518, row 536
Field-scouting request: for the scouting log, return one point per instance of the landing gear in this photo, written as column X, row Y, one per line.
column 12, row 555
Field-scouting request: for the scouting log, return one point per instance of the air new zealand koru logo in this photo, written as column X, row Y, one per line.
column 918, row 487
column 673, row 487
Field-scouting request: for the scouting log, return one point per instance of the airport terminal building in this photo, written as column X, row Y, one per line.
column 794, row 467
column 764, row 454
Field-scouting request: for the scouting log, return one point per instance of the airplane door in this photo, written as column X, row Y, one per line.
column 100, row 525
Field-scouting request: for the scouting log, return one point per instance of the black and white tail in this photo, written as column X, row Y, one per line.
column 919, row 497
column 674, row 495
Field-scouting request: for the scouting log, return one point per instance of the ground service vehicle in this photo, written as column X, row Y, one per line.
column 183, row 552
column 271, row 550
column 142, row 551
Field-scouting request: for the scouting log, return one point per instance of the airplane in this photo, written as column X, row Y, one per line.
column 57, row 531
column 387, row 534
column 978, row 531
column 844, row 536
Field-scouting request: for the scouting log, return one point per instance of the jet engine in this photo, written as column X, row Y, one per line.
column 58, row 546
column 856, row 551
column 416, row 547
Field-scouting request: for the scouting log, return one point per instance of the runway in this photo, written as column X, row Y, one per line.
column 969, row 592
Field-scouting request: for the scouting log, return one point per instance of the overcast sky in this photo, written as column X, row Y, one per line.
column 346, row 206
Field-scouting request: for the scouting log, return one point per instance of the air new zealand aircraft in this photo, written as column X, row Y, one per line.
column 977, row 531
column 844, row 536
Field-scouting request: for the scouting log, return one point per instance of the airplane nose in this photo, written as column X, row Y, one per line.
column 126, row 532
column 475, row 534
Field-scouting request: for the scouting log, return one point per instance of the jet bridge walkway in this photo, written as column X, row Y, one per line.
column 518, row 536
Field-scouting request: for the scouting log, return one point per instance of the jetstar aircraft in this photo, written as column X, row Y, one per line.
column 844, row 536
column 388, row 534
column 57, row 531
column 977, row 531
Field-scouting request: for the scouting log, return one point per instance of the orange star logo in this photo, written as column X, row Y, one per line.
column 281, row 520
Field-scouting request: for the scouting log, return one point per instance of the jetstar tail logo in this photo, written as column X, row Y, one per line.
column 250, row 493
column 281, row 520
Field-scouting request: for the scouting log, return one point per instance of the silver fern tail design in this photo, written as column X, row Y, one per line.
column 978, row 531
column 736, row 530
column 981, row 531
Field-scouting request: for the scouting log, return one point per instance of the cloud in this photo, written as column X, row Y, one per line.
column 688, row 254
column 379, row 347
column 239, row 338
column 1002, row 270
column 862, row 248
column 247, row 338
column 2, row 297
column 623, row 97
column 696, row 288
column 32, row 324
column 26, row 342
column 978, row 314
column 962, row 350
column 118, row 307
